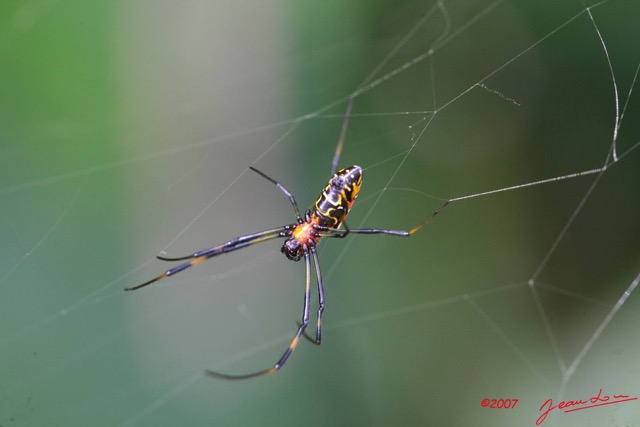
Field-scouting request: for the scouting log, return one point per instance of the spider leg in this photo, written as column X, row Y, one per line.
column 226, row 247
column 321, row 301
column 336, row 232
column 296, row 339
column 232, row 245
column 284, row 190
column 343, row 133
column 429, row 218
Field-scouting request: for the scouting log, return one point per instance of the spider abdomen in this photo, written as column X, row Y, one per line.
column 332, row 206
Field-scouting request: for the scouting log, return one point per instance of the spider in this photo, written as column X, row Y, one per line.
column 324, row 218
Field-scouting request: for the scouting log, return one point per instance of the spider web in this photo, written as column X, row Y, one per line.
column 128, row 131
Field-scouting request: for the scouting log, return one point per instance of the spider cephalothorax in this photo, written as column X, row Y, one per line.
column 293, row 249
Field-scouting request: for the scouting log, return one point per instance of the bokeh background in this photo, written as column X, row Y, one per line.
column 127, row 129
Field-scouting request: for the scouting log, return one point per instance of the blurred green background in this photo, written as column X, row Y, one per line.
column 126, row 131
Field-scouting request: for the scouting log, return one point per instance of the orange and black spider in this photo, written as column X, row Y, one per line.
column 323, row 219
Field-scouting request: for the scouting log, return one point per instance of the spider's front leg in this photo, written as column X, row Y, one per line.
column 294, row 342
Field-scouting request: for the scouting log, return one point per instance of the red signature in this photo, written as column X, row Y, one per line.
column 578, row 405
